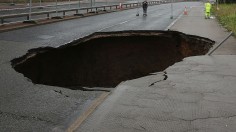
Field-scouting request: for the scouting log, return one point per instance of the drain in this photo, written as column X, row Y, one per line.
column 105, row 59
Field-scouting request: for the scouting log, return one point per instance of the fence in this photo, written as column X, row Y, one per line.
column 63, row 13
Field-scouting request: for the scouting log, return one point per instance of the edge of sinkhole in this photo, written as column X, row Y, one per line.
column 179, row 36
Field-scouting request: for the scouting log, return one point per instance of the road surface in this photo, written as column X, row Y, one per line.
column 30, row 107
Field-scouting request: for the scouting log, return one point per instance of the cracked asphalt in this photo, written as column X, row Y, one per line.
column 25, row 106
column 195, row 95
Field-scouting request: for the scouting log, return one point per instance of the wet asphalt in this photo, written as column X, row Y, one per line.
column 194, row 95
column 31, row 107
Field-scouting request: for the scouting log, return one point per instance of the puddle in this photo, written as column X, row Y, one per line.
column 105, row 59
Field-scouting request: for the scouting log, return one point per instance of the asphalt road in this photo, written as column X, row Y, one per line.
column 57, row 34
column 30, row 107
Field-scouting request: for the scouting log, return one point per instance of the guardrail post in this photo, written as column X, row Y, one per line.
column 64, row 13
column 2, row 21
column 28, row 17
column 48, row 15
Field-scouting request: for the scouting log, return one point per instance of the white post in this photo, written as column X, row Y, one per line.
column 40, row 3
column 137, row 8
column 69, row 4
column 56, row 9
column 78, row 6
column 30, row 10
column 171, row 17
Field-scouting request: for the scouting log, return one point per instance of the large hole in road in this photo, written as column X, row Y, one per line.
column 105, row 59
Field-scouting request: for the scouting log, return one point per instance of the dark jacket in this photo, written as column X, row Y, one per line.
column 145, row 4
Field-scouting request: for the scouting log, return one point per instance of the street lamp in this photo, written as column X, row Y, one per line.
column 69, row 4
column 78, row 12
column 30, row 10
column 40, row 4
column 56, row 17
column 171, row 17
column 12, row 3
column 79, row 3
column 29, row 16
column 137, row 9
column 56, row 9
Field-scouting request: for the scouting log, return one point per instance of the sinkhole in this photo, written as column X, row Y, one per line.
column 104, row 59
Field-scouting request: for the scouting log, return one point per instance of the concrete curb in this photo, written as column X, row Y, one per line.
column 89, row 111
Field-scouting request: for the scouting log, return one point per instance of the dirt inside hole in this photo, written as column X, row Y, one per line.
column 105, row 59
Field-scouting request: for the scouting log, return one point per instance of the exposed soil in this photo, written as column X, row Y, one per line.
column 105, row 59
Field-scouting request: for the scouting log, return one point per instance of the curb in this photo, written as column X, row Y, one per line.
column 89, row 111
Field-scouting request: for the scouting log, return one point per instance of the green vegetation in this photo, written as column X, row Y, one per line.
column 226, row 16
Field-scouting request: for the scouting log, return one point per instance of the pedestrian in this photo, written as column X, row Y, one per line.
column 207, row 9
column 145, row 6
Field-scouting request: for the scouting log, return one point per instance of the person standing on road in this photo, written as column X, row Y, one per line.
column 207, row 9
column 145, row 6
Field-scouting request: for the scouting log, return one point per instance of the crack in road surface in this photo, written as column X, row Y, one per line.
column 165, row 77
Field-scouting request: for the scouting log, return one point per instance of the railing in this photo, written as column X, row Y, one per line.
column 49, row 14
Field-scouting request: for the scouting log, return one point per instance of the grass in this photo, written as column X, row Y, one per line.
column 226, row 16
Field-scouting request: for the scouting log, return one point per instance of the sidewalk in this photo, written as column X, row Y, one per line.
column 195, row 24
column 198, row 95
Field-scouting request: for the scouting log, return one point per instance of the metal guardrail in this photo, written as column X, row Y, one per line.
column 77, row 10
